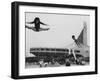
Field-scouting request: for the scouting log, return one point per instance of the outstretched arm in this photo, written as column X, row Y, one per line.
column 30, row 22
column 43, row 23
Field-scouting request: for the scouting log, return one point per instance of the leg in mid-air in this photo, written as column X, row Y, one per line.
column 37, row 29
column 32, row 28
column 28, row 27
column 44, row 29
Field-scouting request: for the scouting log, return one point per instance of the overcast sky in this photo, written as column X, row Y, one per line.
column 62, row 27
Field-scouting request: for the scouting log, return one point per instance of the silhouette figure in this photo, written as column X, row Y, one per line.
column 37, row 23
column 76, row 41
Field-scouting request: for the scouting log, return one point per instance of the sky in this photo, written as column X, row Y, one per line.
column 62, row 27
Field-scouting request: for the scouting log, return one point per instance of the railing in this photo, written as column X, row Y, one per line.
column 51, row 50
column 54, row 51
